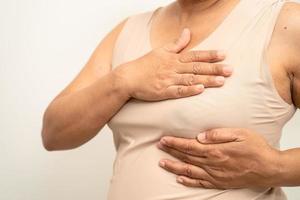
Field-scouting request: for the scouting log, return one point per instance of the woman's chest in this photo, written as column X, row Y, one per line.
column 216, row 107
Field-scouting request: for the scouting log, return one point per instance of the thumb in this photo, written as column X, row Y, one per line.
column 180, row 43
column 216, row 136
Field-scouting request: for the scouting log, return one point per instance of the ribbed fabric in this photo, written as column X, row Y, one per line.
column 247, row 100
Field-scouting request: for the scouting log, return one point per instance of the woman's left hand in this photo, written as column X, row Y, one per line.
column 222, row 159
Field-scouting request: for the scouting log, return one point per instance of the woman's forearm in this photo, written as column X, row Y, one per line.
column 73, row 119
column 290, row 168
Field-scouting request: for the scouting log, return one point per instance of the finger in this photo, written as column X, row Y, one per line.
column 190, row 182
column 215, row 136
column 202, row 56
column 187, row 158
column 188, row 146
column 180, row 168
column 179, row 91
column 206, row 80
column 180, row 43
column 202, row 68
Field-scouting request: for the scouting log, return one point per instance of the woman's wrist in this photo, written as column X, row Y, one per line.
column 119, row 83
column 289, row 173
column 278, row 166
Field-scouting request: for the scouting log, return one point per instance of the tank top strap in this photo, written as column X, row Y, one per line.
column 131, row 40
column 291, row 1
column 244, row 17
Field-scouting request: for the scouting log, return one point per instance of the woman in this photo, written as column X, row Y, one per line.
column 154, row 90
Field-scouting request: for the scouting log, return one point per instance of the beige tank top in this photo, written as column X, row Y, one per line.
column 248, row 99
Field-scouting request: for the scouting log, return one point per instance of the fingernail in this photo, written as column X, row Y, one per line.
column 201, row 137
column 228, row 70
column 179, row 180
column 159, row 145
column 200, row 86
column 220, row 79
column 162, row 163
column 184, row 31
column 163, row 141
column 221, row 54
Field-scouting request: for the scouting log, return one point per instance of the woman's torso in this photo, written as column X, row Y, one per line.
column 248, row 99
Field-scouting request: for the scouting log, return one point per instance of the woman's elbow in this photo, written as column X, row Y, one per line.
column 48, row 140
column 54, row 140
column 58, row 134
column 50, row 134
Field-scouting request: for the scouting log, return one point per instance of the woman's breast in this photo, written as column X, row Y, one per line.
column 183, row 117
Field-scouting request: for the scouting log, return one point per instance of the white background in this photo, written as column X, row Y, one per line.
column 43, row 45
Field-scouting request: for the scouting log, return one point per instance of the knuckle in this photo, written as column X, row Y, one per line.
column 177, row 79
column 181, row 79
column 191, row 80
column 200, row 183
column 215, row 153
column 162, row 76
column 197, row 69
column 196, row 55
column 188, row 170
column 183, row 57
column 169, row 78
column 176, row 62
column 157, row 87
column 180, row 90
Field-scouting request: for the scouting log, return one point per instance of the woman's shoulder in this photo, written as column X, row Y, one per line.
column 287, row 29
column 287, row 38
column 289, row 19
column 142, row 16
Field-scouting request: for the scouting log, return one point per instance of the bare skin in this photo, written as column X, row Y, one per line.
column 237, row 158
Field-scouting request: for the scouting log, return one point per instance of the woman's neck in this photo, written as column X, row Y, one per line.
column 187, row 9
column 190, row 6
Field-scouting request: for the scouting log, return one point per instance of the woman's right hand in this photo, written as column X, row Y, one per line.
column 165, row 73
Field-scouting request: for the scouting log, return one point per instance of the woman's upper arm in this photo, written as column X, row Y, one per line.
column 289, row 29
column 293, row 34
column 98, row 64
